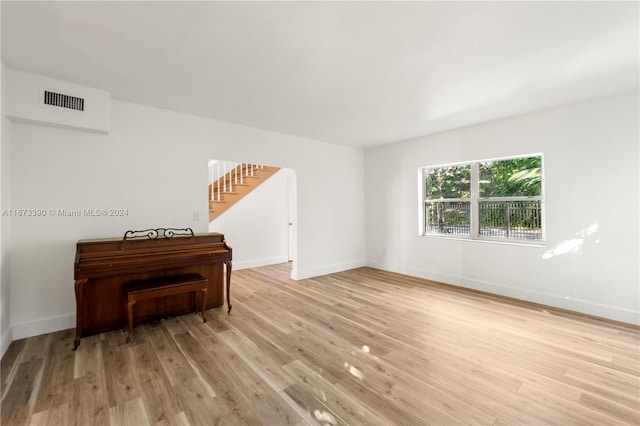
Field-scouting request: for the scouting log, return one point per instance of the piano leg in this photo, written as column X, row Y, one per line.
column 228, row 264
column 79, row 289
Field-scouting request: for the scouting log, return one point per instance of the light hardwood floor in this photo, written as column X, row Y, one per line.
column 358, row 347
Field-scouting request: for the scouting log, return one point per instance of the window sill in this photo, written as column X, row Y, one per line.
column 536, row 243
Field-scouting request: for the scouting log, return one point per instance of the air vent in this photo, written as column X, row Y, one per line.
column 63, row 101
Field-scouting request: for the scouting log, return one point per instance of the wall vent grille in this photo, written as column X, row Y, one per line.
column 63, row 101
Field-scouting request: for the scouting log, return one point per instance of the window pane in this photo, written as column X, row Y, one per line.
column 448, row 182
column 447, row 217
column 520, row 220
column 518, row 177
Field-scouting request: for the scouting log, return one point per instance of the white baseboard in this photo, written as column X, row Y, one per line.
column 64, row 322
column 298, row 274
column 42, row 326
column 256, row 263
column 576, row 305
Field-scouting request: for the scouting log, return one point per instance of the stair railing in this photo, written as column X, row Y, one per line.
column 223, row 175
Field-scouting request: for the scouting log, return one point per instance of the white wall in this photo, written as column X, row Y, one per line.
column 591, row 181
column 256, row 227
column 154, row 164
column 5, row 226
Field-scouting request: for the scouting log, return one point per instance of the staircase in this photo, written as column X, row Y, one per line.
column 230, row 182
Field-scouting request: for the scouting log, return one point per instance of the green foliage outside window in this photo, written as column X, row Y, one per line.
column 518, row 177
column 448, row 182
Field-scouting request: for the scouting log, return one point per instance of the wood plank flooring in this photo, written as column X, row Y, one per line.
column 353, row 348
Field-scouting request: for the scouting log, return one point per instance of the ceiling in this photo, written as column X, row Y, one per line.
column 352, row 73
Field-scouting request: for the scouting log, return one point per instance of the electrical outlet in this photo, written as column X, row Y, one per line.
column 196, row 215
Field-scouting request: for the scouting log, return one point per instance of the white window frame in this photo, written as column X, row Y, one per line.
column 475, row 200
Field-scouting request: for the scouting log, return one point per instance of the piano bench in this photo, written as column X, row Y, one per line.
column 136, row 291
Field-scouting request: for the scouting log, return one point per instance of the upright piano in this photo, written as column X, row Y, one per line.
column 102, row 268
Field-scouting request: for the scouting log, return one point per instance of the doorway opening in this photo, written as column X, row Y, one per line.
column 260, row 225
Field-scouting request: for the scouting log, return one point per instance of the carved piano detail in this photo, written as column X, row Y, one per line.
column 102, row 267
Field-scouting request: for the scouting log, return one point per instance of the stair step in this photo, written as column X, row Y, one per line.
column 227, row 199
column 225, row 192
column 215, row 187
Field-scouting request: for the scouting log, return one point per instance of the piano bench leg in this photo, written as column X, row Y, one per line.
column 130, row 305
column 203, row 293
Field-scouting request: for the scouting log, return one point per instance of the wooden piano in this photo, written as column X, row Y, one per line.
column 103, row 267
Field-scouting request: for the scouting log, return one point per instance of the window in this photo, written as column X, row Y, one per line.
column 499, row 199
